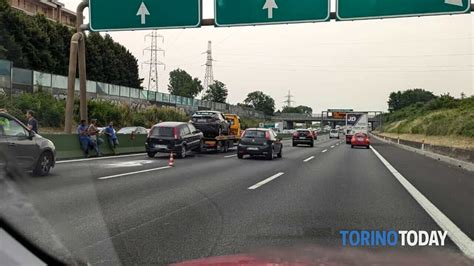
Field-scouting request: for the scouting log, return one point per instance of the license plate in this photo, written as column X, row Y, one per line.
column 360, row 139
column 252, row 149
column 202, row 120
column 302, row 137
column 161, row 146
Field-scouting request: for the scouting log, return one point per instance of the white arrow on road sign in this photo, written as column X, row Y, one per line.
column 270, row 5
column 143, row 11
column 453, row 2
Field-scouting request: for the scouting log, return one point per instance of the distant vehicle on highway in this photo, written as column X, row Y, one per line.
column 356, row 122
column 260, row 142
column 173, row 137
column 334, row 133
column 133, row 130
column 23, row 148
column 315, row 133
column 360, row 139
column 211, row 123
column 304, row 136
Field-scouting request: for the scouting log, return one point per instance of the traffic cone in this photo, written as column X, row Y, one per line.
column 171, row 161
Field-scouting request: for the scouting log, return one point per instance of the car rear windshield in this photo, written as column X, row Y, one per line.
column 361, row 135
column 254, row 134
column 303, row 131
column 162, row 132
column 334, row 131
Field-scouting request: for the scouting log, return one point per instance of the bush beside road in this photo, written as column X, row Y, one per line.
column 443, row 116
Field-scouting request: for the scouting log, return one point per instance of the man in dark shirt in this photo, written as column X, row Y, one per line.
column 32, row 122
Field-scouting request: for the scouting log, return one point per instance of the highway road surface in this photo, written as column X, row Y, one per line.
column 136, row 210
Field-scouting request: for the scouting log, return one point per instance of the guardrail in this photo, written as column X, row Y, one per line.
column 456, row 153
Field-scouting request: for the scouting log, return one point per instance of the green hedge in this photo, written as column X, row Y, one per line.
column 442, row 116
column 49, row 111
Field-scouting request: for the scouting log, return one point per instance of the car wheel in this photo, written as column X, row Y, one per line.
column 270, row 155
column 182, row 153
column 151, row 154
column 368, row 147
column 280, row 154
column 45, row 161
column 352, row 146
column 294, row 144
column 312, row 144
column 240, row 156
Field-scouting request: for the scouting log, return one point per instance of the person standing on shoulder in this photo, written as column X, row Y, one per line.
column 84, row 138
column 32, row 122
column 94, row 136
column 112, row 137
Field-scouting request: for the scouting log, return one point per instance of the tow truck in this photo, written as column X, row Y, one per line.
column 223, row 143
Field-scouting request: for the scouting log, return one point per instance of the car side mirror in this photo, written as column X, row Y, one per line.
column 197, row 131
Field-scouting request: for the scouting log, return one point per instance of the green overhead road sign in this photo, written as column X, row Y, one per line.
column 258, row 12
column 369, row 9
column 109, row 15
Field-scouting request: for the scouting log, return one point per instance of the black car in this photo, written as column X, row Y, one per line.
column 21, row 148
column 175, row 137
column 303, row 136
column 260, row 142
column 211, row 123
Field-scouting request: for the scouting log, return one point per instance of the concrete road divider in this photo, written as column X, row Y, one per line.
column 68, row 147
column 459, row 157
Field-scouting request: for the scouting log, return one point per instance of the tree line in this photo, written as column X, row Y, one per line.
column 34, row 42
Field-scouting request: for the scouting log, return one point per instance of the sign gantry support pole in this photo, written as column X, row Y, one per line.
column 77, row 54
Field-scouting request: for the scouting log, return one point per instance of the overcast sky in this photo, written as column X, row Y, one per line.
column 325, row 65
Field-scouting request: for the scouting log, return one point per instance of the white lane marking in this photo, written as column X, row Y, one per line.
column 230, row 156
column 324, row 151
column 332, row 146
column 457, row 236
column 129, row 164
column 261, row 183
column 309, row 159
column 100, row 158
column 134, row 173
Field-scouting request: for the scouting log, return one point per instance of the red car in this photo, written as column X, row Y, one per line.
column 360, row 139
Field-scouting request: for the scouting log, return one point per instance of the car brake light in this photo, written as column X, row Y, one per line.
column 267, row 135
column 295, row 134
column 149, row 132
column 175, row 132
